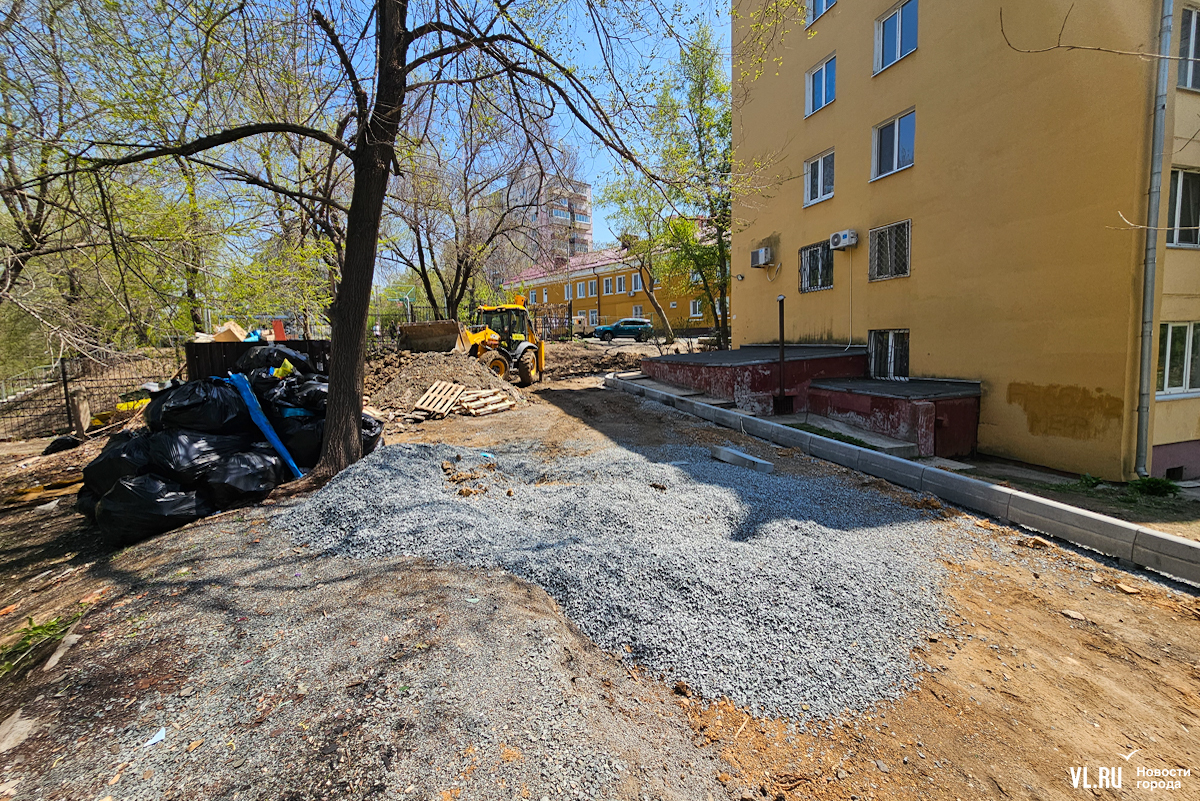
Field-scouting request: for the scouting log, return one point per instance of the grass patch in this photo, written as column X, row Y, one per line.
column 33, row 637
column 820, row 432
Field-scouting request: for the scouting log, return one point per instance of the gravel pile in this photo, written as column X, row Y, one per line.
column 793, row 596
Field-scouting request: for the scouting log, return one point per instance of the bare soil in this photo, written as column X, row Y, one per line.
column 305, row 677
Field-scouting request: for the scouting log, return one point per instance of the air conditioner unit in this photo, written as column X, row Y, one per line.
column 760, row 257
column 843, row 239
column 631, row 292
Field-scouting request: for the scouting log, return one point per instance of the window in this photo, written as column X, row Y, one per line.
column 1178, row 357
column 888, row 353
column 895, row 35
column 816, row 267
column 890, row 250
column 674, row 304
column 697, row 310
column 561, row 214
column 582, row 217
column 592, row 288
column 1183, row 209
column 636, row 282
column 1189, row 68
column 895, row 141
column 545, row 294
column 581, row 290
column 818, row 7
column 567, row 292
column 818, row 179
column 620, row 283
column 821, row 85
column 607, row 286
column 637, row 310
column 593, row 316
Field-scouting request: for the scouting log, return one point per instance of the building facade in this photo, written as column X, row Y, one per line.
column 999, row 199
column 560, row 214
column 604, row 286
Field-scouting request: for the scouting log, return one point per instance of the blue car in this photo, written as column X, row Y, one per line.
column 636, row 327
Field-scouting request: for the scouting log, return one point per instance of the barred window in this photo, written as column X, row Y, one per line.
column 816, row 267
column 888, row 353
column 890, row 250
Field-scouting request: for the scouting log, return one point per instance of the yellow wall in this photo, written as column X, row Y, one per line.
column 1178, row 419
column 1022, row 276
column 613, row 307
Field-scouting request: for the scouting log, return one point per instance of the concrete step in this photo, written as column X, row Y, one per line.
column 879, row 442
column 720, row 403
column 670, row 389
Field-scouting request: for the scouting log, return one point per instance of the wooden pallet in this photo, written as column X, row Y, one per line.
column 485, row 401
column 439, row 400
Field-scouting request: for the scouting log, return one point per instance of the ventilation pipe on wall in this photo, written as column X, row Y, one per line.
column 1149, row 277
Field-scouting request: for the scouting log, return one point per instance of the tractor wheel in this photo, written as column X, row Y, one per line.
column 526, row 368
column 607, row 336
column 494, row 360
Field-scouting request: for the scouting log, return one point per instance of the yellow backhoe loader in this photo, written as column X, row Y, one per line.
column 504, row 338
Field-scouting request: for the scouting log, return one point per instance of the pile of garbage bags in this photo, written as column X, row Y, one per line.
column 202, row 450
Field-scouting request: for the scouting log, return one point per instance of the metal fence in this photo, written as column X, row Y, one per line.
column 37, row 402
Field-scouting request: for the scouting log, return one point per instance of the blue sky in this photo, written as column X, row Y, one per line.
column 597, row 162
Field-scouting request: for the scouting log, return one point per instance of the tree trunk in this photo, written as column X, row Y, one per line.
column 648, row 283
column 373, row 156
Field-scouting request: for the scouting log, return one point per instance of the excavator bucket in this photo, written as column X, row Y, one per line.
column 441, row 336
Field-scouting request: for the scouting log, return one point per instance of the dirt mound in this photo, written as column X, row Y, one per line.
column 567, row 359
column 395, row 380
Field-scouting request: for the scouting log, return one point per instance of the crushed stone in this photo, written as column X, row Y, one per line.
column 793, row 596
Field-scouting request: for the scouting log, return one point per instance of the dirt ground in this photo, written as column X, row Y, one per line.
column 296, row 694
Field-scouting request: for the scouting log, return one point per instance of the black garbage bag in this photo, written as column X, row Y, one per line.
column 126, row 454
column 295, row 392
column 85, row 503
column 313, row 395
column 202, row 405
column 302, row 437
column 246, row 476
column 273, row 356
column 372, row 433
column 60, row 444
column 142, row 506
column 262, row 381
column 187, row 456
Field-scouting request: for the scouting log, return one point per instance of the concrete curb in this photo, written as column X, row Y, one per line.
column 1155, row 550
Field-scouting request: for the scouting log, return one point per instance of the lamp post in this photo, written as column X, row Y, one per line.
column 781, row 403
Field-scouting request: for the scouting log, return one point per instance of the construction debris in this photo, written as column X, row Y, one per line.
column 444, row 398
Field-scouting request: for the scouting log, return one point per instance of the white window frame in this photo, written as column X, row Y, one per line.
column 892, row 335
column 620, row 284
column 567, row 292
column 593, row 316
column 894, row 11
column 1189, row 50
column 591, row 287
column 1166, row 333
column 876, row 173
column 818, row 162
column 809, row 109
column 636, row 283
column 608, row 286
column 1175, row 198
column 545, row 294
column 581, row 290
column 810, row 10
column 637, row 310
column 697, row 309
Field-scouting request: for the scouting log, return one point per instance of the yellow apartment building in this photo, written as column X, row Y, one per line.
column 1000, row 201
column 604, row 286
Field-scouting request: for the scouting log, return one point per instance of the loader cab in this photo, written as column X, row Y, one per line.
column 510, row 324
